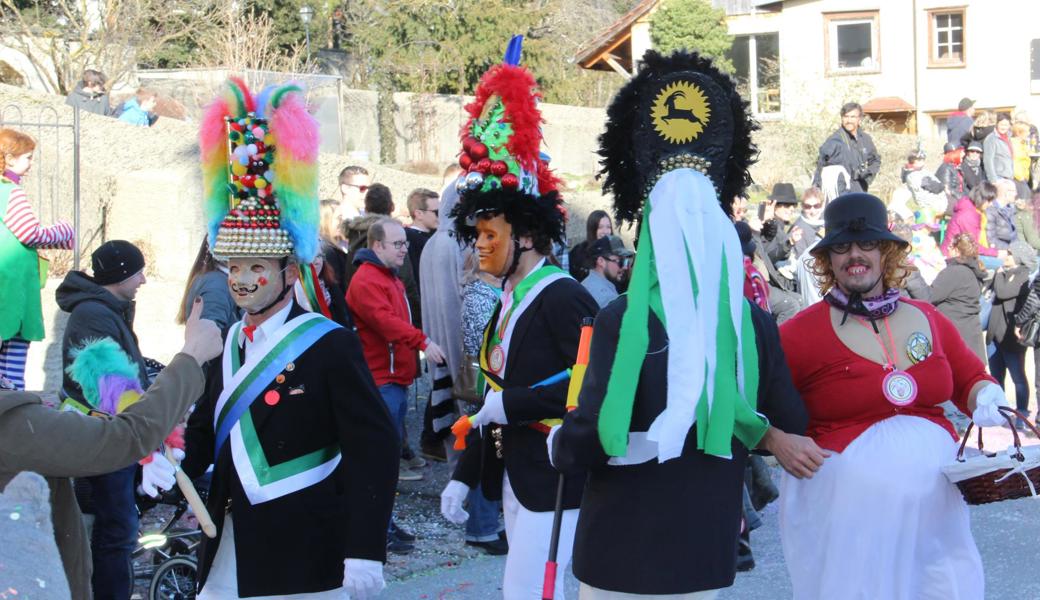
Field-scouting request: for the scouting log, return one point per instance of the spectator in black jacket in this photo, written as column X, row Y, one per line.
column 1011, row 287
column 90, row 94
column 957, row 289
column 1028, row 312
column 851, row 148
column 949, row 174
column 971, row 167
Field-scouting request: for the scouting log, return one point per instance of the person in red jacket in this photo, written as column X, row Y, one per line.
column 377, row 301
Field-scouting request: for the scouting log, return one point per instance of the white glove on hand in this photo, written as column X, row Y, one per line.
column 549, row 442
column 452, row 497
column 159, row 474
column 492, row 412
column 986, row 413
column 362, row 578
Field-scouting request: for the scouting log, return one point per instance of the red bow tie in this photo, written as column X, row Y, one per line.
column 248, row 330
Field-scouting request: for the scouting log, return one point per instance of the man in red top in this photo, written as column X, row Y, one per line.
column 377, row 301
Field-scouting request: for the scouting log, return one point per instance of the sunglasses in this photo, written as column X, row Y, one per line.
column 812, row 206
column 865, row 246
column 621, row 262
column 361, row 188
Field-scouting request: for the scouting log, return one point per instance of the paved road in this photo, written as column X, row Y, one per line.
column 1007, row 534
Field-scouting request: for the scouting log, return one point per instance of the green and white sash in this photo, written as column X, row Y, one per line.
column 243, row 385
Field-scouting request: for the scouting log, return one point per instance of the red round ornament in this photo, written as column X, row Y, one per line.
column 484, row 165
column 510, row 181
column 467, row 143
column 479, row 150
column 465, row 161
column 499, row 168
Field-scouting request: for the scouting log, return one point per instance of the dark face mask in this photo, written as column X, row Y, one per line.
column 973, row 159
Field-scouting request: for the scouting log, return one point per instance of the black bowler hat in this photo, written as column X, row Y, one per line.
column 856, row 217
column 783, row 193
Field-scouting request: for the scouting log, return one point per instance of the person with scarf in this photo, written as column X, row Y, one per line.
column 685, row 376
column 949, row 174
column 879, row 519
column 21, row 235
column 971, row 166
column 509, row 208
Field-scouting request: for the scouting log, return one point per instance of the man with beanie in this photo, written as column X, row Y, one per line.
column 102, row 306
column 959, row 123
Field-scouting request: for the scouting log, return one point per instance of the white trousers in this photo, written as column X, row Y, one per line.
column 222, row 583
column 587, row 592
column 529, row 535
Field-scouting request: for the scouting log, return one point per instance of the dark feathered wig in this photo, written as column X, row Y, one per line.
column 631, row 152
column 541, row 218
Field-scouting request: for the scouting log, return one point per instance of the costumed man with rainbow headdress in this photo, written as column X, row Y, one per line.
column 304, row 453
column 509, row 207
column 685, row 376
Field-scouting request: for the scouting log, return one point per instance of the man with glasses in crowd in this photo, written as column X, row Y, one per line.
column 377, row 302
column 610, row 267
column 852, row 148
column 423, row 205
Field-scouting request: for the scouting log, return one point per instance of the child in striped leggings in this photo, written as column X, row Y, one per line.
column 21, row 315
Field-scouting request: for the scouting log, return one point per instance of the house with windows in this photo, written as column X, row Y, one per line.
column 908, row 62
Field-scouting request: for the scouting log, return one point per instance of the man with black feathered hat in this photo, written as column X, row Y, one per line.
column 685, row 376
column 510, row 210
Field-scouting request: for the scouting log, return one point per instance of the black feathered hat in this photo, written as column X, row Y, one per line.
column 680, row 110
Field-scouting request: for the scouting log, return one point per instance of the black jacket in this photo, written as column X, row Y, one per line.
column 1010, row 287
column 576, row 260
column 96, row 313
column 857, row 154
column 662, row 528
column 956, row 292
column 951, row 179
column 544, row 342
column 972, row 175
column 297, row 543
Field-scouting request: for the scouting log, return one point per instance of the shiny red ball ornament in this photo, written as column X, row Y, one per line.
column 479, row 150
column 510, row 181
column 465, row 161
column 499, row 168
column 484, row 165
column 467, row 144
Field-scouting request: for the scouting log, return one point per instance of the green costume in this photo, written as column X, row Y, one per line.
column 20, row 313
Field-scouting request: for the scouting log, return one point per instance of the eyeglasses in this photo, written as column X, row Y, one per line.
column 361, row 188
column 621, row 262
column 436, row 211
column 399, row 245
column 865, row 246
column 812, row 206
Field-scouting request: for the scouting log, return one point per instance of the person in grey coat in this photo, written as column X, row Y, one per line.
column 957, row 289
column 90, row 94
column 996, row 151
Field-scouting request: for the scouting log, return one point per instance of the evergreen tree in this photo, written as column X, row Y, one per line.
column 692, row 25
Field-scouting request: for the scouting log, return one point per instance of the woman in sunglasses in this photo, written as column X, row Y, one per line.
column 810, row 221
column 876, row 518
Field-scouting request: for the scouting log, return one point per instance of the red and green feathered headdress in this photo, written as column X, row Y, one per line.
column 505, row 171
column 260, row 173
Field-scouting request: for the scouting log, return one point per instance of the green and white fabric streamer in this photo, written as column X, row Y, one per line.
column 689, row 272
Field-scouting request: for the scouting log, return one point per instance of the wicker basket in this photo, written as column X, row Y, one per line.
column 993, row 477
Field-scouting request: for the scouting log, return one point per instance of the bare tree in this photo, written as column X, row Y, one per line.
column 61, row 38
column 241, row 42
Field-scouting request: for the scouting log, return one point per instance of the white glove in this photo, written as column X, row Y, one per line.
column 452, row 497
column 492, row 412
column 158, row 474
column 362, row 578
column 986, row 413
column 548, row 443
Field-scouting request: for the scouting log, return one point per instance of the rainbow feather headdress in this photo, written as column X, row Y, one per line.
column 260, row 173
